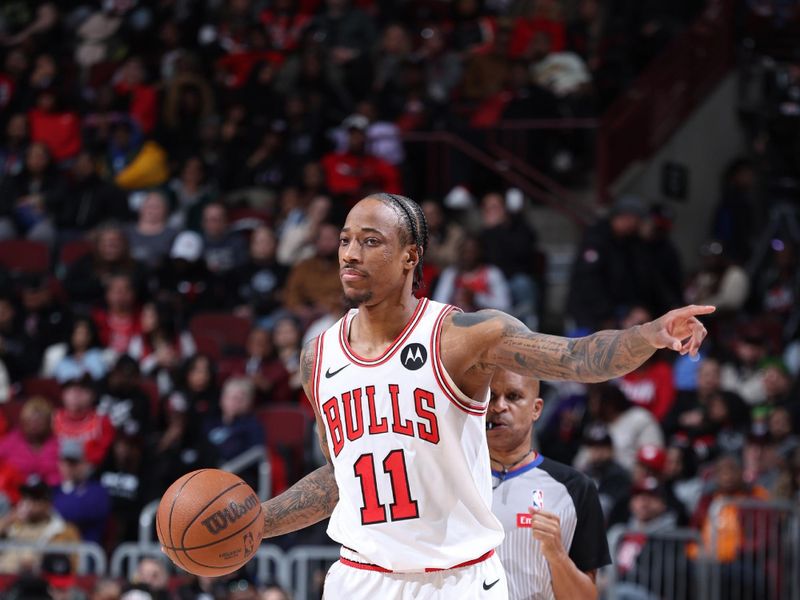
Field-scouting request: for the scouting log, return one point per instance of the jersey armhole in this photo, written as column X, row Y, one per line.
column 446, row 383
column 317, row 370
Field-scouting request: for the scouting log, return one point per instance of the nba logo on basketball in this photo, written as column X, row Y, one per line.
column 538, row 499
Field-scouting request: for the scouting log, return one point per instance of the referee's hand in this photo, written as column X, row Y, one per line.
column 546, row 528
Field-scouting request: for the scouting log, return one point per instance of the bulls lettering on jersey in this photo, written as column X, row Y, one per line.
column 408, row 449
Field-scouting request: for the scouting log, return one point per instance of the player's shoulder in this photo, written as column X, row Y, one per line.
column 576, row 482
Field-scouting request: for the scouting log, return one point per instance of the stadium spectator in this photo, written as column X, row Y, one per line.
column 274, row 592
column 236, row 429
column 122, row 476
column 123, row 400
column 79, row 499
column 264, row 369
column 152, row 573
column 183, row 283
column 383, row 137
column 27, row 196
column 47, row 318
column 81, row 353
column 34, row 519
column 720, row 281
column 14, row 146
column 222, row 251
column 511, row 244
column 610, row 273
column 634, row 558
column 97, row 200
column 160, row 347
column 287, row 338
column 86, row 278
column 191, row 192
column 741, row 373
column 313, row 287
column 31, row 448
column 151, row 238
column 197, row 383
column 59, row 573
column 178, row 446
column 662, row 253
column 473, row 283
column 613, row 481
column 445, row 237
column 120, row 320
column 736, row 210
column 728, row 482
column 651, row 386
column 301, row 225
column 352, row 173
column 260, row 279
column 80, row 422
column 17, row 351
column 629, row 426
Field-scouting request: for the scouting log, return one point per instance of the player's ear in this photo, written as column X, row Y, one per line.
column 412, row 256
column 538, row 406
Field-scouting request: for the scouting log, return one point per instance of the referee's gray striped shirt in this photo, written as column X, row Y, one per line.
column 563, row 491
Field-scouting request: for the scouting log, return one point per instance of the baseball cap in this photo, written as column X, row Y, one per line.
column 57, row 570
column 71, row 449
column 629, row 205
column 653, row 457
column 649, row 485
column 597, row 435
column 35, row 488
column 188, row 246
column 356, row 122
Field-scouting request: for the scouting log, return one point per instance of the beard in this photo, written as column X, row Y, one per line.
column 353, row 299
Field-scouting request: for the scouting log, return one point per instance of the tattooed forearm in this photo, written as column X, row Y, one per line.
column 598, row 357
column 307, row 361
column 309, row 501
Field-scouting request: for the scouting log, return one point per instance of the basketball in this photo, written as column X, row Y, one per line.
column 209, row 522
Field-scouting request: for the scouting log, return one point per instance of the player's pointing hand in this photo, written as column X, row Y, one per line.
column 678, row 330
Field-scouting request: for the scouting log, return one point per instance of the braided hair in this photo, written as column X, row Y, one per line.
column 416, row 227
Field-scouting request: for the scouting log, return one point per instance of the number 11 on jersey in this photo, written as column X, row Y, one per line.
column 403, row 507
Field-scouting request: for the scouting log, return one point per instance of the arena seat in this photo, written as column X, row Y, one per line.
column 229, row 331
column 24, row 256
column 72, row 251
column 47, row 387
column 287, row 428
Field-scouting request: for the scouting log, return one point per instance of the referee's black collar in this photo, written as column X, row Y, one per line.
column 519, row 471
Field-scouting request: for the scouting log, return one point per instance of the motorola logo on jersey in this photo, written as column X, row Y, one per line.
column 413, row 356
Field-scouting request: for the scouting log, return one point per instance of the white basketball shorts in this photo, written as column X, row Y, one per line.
column 484, row 580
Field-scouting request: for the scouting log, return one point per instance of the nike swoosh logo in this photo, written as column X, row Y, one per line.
column 490, row 585
column 329, row 374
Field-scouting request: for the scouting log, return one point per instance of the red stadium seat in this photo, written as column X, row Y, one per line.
column 150, row 388
column 42, row 386
column 207, row 345
column 72, row 251
column 229, row 331
column 286, row 428
column 24, row 256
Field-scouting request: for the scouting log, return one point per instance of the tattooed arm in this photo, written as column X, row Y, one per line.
column 505, row 342
column 313, row 498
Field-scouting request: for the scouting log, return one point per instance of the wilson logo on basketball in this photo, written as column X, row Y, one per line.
column 220, row 520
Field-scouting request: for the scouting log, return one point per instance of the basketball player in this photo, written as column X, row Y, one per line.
column 555, row 532
column 400, row 390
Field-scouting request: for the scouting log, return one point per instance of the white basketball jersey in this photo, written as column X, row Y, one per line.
column 408, row 448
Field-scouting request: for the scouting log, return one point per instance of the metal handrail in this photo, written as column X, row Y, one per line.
column 255, row 455
column 132, row 552
column 84, row 550
column 502, row 168
column 298, row 559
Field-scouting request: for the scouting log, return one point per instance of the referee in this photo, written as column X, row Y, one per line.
column 555, row 535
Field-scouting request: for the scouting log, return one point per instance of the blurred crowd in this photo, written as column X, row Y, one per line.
column 181, row 169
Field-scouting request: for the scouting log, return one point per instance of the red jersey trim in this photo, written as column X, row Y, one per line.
column 317, row 370
column 471, row 408
column 393, row 347
column 371, row 567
